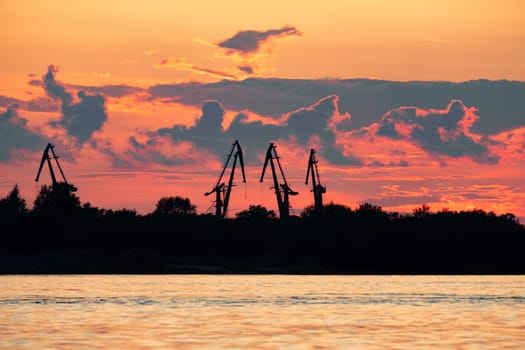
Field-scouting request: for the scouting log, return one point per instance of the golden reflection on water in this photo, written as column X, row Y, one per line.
column 261, row 312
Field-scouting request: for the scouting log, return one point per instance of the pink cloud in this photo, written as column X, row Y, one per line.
column 442, row 133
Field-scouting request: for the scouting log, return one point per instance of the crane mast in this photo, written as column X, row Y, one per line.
column 313, row 173
column 283, row 190
column 223, row 191
column 46, row 158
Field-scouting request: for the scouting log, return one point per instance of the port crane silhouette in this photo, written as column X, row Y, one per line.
column 313, row 173
column 47, row 155
column 222, row 191
column 283, row 190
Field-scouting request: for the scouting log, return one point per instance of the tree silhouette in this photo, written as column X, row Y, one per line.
column 123, row 213
column 422, row 212
column 334, row 238
column 175, row 206
column 369, row 208
column 92, row 212
column 13, row 205
column 58, row 199
column 256, row 212
column 328, row 211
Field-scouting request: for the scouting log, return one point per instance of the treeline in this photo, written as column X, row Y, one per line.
column 61, row 235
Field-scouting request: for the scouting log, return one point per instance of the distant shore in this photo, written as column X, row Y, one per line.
column 86, row 262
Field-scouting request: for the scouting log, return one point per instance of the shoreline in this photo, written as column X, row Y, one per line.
column 86, row 262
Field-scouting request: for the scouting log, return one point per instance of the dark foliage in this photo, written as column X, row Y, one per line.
column 57, row 200
column 175, row 206
column 13, row 205
column 256, row 212
column 61, row 236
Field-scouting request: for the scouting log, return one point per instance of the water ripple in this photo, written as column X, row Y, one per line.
column 363, row 299
column 262, row 312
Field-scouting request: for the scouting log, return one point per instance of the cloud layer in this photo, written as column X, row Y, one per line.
column 297, row 112
column 315, row 125
column 500, row 104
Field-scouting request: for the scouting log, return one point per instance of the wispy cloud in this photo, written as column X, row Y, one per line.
column 183, row 65
column 93, row 74
column 152, row 52
column 249, row 51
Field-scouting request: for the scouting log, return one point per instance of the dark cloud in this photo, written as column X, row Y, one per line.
column 301, row 126
column 449, row 132
column 206, row 133
column 254, row 136
column 6, row 101
column 401, row 163
column 246, row 69
column 317, row 120
column 439, row 132
column 500, row 104
column 105, row 146
column 15, row 135
column 110, row 90
column 81, row 119
column 38, row 104
column 54, row 89
column 41, row 104
column 263, row 96
column 249, row 41
column 35, row 82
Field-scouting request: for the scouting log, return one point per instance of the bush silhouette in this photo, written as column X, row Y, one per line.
column 256, row 212
column 175, row 206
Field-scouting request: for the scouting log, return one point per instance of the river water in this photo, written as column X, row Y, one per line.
column 261, row 312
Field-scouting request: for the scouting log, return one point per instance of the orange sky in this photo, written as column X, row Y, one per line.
column 141, row 44
column 122, row 41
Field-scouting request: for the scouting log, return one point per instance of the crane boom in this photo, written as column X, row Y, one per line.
column 46, row 158
column 317, row 188
column 283, row 190
column 223, row 191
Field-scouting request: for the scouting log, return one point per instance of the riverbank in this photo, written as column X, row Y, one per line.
column 100, row 262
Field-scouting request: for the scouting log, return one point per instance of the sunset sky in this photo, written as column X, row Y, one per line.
column 406, row 102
